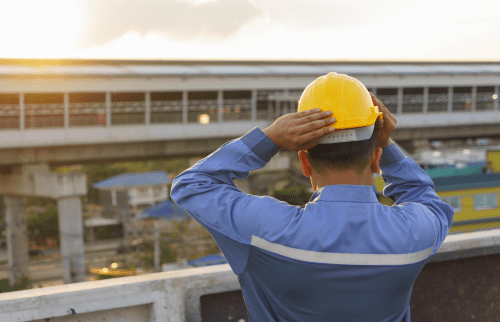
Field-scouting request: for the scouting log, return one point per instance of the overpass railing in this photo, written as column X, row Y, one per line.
column 110, row 109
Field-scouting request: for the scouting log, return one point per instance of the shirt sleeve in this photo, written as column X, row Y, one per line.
column 208, row 193
column 406, row 183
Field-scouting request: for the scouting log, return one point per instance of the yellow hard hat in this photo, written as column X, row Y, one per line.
column 350, row 103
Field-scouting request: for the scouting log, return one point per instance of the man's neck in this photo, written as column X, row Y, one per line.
column 347, row 177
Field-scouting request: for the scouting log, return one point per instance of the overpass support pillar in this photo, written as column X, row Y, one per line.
column 17, row 238
column 67, row 189
column 421, row 145
column 71, row 239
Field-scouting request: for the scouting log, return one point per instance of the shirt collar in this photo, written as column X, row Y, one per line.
column 348, row 193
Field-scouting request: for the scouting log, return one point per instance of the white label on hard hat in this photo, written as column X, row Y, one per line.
column 339, row 136
column 348, row 135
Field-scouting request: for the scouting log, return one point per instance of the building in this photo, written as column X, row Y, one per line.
column 142, row 189
column 472, row 189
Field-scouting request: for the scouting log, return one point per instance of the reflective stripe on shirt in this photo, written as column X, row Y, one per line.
column 342, row 258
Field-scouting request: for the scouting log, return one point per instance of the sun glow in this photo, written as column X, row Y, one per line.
column 39, row 29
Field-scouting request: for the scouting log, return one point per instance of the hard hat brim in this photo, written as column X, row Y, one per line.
column 348, row 135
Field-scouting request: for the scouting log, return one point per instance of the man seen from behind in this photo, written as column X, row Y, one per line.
column 343, row 256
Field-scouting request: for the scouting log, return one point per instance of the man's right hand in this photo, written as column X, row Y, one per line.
column 386, row 125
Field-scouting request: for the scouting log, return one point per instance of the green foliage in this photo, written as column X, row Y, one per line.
column 167, row 255
column 297, row 196
column 5, row 285
column 38, row 201
column 99, row 172
column 43, row 225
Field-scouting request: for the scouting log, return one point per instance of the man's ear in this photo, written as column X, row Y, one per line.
column 377, row 154
column 306, row 165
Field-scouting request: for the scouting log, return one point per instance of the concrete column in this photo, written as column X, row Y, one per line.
column 400, row 101
column 286, row 106
column 17, row 238
column 66, row 110
column 254, row 105
column 71, row 239
column 277, row 109
column 108, row 109
column 497, row 99
column 473, row 99
column 184, row 107
column 157, row 257
column 270, row 110
column 426, row 100
column 148, row 108
column 220, row 106
column 450, row 99
column 22, row 118
column 420, row 145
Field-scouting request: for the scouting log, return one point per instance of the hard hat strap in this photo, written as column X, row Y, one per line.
column 348, row 135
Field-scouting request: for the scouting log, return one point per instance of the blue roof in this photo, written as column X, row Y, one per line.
column 208, row 260
column 167, row 209
column 135, row 179
column 472, row 181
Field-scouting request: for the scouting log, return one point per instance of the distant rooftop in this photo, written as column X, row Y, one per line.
column 134, row 179
column 471, row 181
column 167, row 209
column 452, row 170
column 163, row 68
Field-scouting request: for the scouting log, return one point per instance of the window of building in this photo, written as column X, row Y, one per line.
column 142, row 193
column 455, row 202
column 158, row 191
column 486, row 201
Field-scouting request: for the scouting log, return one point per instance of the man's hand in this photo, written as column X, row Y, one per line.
column 300, row 131
column 386, row 125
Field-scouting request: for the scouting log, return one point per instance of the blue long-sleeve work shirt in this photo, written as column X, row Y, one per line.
column 342, row 257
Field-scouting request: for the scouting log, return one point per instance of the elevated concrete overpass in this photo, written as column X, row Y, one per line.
column 63, row 112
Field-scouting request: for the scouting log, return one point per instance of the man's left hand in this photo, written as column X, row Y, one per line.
column 300, row 131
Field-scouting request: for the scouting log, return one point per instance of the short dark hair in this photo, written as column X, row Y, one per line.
column 343, row 156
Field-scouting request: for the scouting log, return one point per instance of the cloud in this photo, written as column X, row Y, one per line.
column 320, row 14
column 104, row 21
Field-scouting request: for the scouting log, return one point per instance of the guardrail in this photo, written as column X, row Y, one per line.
column 170, row 296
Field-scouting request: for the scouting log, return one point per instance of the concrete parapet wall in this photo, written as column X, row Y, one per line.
column 177, row 296
column 171, row 296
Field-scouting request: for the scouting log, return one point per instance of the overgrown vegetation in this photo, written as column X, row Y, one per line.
column 43, row 226
column 5, row 285
column 297, row 196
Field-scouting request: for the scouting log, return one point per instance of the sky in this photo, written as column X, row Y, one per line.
column 251, row 29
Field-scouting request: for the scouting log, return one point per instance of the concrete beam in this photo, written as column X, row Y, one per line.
column 19, row 180
column 446, row 132
column 60, row 185
column 63, row 155
column 37, row 180
column 17, row 238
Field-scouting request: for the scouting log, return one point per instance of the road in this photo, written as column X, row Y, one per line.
column 46, row 270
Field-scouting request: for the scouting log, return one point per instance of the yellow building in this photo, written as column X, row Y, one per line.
column 473, row 191
column 475, row 199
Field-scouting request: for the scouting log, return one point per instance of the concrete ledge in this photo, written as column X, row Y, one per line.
column 170, row 296
column 162, row 295
column 463, row 245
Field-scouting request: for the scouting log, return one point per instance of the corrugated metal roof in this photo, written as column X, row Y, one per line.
column 472, row 181
column 148, row 68
column 167, row 210
column 134, row 179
